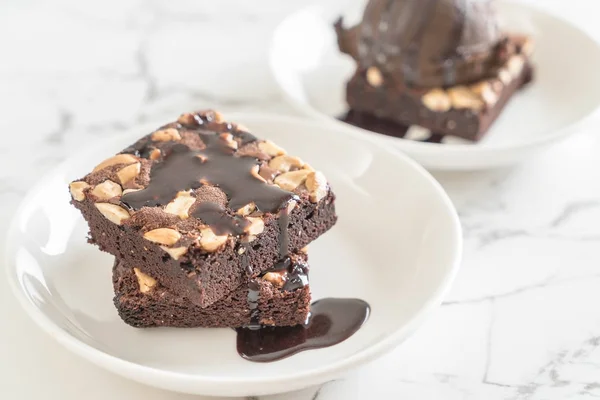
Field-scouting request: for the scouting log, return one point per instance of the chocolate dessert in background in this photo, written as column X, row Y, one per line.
column 441, row 64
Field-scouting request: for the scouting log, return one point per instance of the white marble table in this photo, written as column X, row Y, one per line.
column 521, row 321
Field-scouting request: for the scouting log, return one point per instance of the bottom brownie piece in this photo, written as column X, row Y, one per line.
column 279, row 297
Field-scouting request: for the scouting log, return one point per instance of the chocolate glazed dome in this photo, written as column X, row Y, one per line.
column 425, row 43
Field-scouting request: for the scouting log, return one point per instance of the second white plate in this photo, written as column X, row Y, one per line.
column 312, row 74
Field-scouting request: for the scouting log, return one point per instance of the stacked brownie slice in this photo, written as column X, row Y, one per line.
column 208, row 226
column 460, row 110
column 444, row 65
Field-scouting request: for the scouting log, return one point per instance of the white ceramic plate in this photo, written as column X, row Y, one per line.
column 312, row 74
column 397, row 245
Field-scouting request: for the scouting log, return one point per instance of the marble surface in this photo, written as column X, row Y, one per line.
column 521, row 321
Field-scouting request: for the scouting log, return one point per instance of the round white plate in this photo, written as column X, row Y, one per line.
column 312, row 74
column 397, row 245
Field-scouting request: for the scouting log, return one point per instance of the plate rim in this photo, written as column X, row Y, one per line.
column 187, row 382
column 432, row 148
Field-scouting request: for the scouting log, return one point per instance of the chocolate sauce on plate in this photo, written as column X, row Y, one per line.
column 331, row 322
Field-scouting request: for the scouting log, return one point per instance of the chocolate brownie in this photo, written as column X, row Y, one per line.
column 447, row 68
column 278, row 297
column 202, row 205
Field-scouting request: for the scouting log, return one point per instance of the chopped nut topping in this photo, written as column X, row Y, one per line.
column 308, row 167
column 486, row 92
column 176, row 252
column 255, row 173
column 211, row 242
column 527, row 47
column 77, row 189
column 129, row 173
column 229, row 140
column 285, row 163
column 374, row 77
column 212, row 115
column 113, row 212
column 291, row 180
column 316, row 183
column 277, row 279
column 129, row 191
column 271, row 148
column 107, row 190
column 290, row 206
column 166, row 135
column 246, row 210
column 181, row 205
column 166, row 236
column 115, row 160
column 437, row 100
column 256, row 227
column 146, row 282
column 515, row 65
column 462, row 97
column 188, row 119
column 505, row 76
column 497, row 85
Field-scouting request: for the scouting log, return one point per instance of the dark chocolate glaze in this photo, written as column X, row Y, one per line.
column 296, row 278
column 246, row 137
column 142, row 148
column 243, row 248
column 284, row 237
column 253, row 297
column 182, row 169
column 383, row 126
column 425, row 43
column 331, row 322
column 295, row 275
column 219, row 220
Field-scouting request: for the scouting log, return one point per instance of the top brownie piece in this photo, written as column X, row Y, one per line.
column 203, row 205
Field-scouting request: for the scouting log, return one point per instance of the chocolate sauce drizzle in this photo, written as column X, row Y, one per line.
column 253, row 297
column 184, row 169
column 219, row 220
column 331, row 322
column 246, row 137
column 243, row 251
column 284, row 237
column 295, row 276
column 296, row 273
